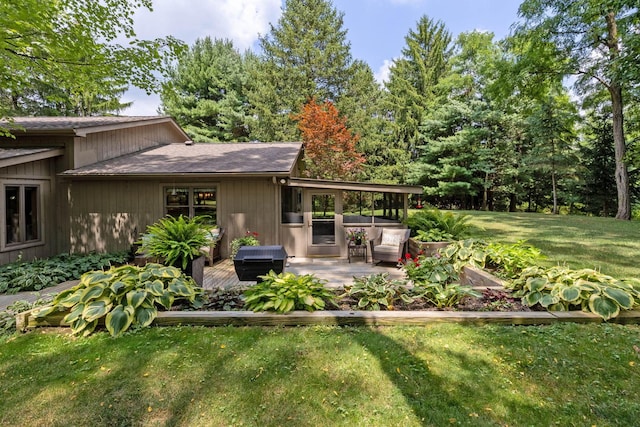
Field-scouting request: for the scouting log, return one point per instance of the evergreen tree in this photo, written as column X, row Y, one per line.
column 414, row 78
column 304, row 56
column 206, row 91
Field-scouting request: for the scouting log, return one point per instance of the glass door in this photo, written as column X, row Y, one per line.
column 323, row 224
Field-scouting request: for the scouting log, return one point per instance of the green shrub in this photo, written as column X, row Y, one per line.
column 561, row 289
column 123, row 296
column 450, row 226
column 285, row 292
column 444, row 294
column 377, row 291
column 39, row 274
column 249, row 239
column 176, row 240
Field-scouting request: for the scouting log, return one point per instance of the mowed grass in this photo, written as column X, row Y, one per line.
column 438, row 375
column 605, row 244
column 445, row 374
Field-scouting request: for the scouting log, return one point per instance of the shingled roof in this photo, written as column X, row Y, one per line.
column 80, row 125
column 199, row 159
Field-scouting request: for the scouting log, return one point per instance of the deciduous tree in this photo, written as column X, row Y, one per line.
column 329, row 146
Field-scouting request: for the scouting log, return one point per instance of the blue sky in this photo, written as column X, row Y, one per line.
column 376, row 28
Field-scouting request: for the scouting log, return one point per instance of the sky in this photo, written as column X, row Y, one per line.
column 376, row 29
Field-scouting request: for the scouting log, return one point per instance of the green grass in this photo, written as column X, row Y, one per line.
column 604, row 244
column 438, row 375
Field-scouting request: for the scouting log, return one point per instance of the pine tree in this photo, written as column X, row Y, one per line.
column 207, row 91
column 304, row 56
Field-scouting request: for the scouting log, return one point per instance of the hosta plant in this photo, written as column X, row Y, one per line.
column 377, row 292
column 561, row 289
column 424, row 269
column 285, row 292
column 445, row 294
column 123, row 296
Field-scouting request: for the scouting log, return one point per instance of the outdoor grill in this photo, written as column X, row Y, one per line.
column 253, row 261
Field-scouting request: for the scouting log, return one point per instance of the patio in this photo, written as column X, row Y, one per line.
column 336, row 271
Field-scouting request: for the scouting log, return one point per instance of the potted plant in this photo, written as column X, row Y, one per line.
column 433, row 229
column 357, row 235
column 178, row 241
column 250, row 238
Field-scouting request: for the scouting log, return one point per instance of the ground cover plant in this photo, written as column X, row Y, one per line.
column 437, row 375
column 36, row 275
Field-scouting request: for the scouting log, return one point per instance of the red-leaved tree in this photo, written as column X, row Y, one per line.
column 329, row 146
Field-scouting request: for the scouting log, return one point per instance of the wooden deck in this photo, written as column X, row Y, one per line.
column 335, row 271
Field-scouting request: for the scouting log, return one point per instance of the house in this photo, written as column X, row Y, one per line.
column 94, row 184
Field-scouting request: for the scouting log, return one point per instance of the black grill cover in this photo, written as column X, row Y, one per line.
column 253, row 261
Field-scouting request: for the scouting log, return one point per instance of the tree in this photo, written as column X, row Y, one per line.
column 413, row 79
column 304, row 56
column 206, row 91
column 599, row 39
column 70, row 44
column 551, row 127
column 329, row 146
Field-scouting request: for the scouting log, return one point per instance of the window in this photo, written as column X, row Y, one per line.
column 360, row 207
column 191, row 201
column 291, row 205
column 22, row 214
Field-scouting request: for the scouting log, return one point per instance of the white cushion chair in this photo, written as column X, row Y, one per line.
column 389, row 245
column 212, row 251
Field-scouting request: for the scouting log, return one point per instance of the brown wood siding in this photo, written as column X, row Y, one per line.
column 43, row 173
column 100, row 146
column 107, row 215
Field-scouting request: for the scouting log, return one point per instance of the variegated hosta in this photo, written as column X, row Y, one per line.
column 123, row 296
column 560, row 289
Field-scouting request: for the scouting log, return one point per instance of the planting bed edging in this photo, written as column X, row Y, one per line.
column 27, row 321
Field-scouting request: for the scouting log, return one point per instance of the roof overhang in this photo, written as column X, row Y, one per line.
column 18, row 156
column 354, row 186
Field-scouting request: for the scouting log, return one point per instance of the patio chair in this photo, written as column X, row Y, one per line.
column 390, row 245
column 212, row 251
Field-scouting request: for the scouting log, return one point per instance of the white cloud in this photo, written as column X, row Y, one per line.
column 382, row 75
column 240, row 21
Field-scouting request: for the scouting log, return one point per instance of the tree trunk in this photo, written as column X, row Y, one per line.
column 615, row 90
column 554, row 192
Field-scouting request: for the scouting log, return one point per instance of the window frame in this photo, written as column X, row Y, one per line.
column 22, row 185
column 190, row 205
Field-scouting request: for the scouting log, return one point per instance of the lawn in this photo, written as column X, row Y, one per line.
column 604, row 244
column 443, row 374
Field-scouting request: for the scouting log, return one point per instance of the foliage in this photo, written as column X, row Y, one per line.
column 450, row 225
column 8, row 316
column 304, row 56
column 433, row 235
column 413, row 78
column 596, row 44
column 354, row 234
column 79, row 46
column 123, row 296
column 224, row 299
column 206, row 91
column 285, row 292
column 508, row 260
column 444, row 295
column 329, row 146
column 561, row 289
column 250, row 238
column 423, row 269
column 377, row 292
column 35, row 275
column 176, row 240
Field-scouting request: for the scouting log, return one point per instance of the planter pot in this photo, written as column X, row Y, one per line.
column 195, row 269
column 427, row 248
column 253, row 261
